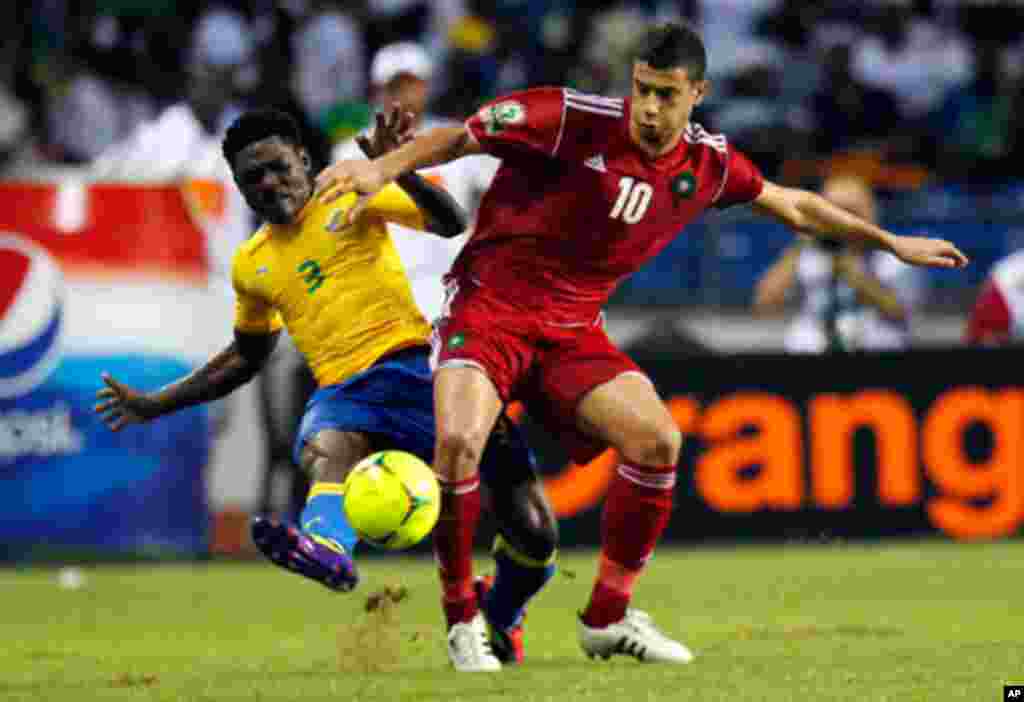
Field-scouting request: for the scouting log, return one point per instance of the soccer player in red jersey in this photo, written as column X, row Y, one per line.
column 589, row 189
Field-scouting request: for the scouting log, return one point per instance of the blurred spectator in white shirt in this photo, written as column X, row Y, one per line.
column 913, row 58
column 101, row 101
column 728, row 27
column 401, row 73
column 14, row 119
column 184, row 141
column 606, row 66
column 329, row 66
column 848, row 299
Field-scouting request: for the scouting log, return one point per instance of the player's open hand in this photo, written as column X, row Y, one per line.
column 393, row 129
column 924, row 251
column 363, row 177
column 120, row 405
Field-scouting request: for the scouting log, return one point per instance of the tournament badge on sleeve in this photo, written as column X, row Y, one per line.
column 497, row 117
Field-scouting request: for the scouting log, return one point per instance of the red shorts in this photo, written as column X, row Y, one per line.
column 549, row 368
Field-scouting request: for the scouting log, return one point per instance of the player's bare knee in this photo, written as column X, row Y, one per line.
column 311, row 460
column 329, row 456
column 660, row 446
column 321, row 467
column 458, row 453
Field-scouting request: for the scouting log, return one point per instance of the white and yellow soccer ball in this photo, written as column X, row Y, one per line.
column 392, row 499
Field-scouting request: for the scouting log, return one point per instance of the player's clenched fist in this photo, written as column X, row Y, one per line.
column 120, row 405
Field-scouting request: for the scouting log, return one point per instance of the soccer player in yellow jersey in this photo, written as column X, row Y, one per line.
column 340, row 290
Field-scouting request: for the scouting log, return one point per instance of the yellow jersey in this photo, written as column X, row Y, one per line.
column 343, row 296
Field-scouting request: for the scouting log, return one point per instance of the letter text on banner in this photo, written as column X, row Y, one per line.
column 963, row 482
column 776, row 449
column 833, row 421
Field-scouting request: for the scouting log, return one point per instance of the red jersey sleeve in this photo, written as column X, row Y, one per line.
column 989, row 321
column 743, row 181
column 530, row 120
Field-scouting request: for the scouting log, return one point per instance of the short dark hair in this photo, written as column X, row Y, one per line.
column 257, row 125
column 673, row 45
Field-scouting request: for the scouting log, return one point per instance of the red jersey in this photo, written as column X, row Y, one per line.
column 576, row 206
column 997, row 317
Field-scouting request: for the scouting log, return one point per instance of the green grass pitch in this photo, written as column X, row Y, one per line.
column 899, row 622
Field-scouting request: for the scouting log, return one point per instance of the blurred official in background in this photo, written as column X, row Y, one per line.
column 848, row 299
column 401, row 74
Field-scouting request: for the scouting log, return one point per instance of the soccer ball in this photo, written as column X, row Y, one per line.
column 392, row 499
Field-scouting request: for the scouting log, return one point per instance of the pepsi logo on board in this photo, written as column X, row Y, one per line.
column 31, row 311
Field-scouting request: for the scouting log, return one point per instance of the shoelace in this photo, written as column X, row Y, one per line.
column 630, row 647
column 641, row 623
column 464, row 640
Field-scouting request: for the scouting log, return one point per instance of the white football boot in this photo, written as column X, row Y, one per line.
column 634, row 635
column 469, row 647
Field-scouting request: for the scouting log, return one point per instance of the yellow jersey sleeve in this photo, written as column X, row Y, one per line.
column 392, row 204
column 253, row 314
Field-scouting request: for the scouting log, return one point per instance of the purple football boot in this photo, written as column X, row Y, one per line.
column 316, row 557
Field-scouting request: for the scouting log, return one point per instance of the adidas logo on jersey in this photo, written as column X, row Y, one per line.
column 597, row 163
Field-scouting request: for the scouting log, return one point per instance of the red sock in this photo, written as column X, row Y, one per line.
column 453, row 548
column 636, row 511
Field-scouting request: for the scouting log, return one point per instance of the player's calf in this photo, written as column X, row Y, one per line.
column 524, row 555
column 526, row 521
column 321, row 547
column 636, row 510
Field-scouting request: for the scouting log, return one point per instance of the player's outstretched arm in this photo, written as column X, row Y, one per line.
column 812, row 214
column 119, row 405
column 439, row 145
column 442, row 214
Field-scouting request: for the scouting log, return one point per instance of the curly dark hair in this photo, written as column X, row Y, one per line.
column 257, row 125
column 673, row 45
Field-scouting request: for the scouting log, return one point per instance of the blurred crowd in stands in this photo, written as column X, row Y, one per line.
column 901, row 91
column 915, row 102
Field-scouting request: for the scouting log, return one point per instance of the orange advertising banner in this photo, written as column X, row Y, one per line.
column 842, row 445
